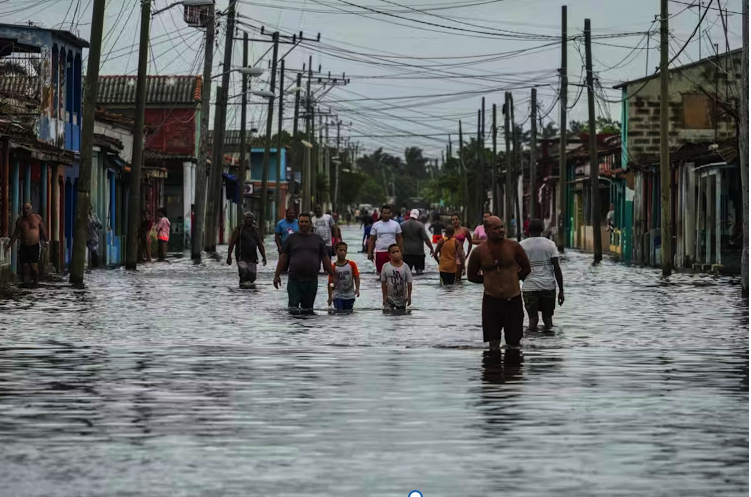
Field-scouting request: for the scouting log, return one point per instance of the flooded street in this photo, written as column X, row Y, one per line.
column 173, row 381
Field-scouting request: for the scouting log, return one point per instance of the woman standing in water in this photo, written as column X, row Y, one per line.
column 461, row 234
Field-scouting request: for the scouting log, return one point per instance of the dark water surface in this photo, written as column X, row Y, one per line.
column 174, row 382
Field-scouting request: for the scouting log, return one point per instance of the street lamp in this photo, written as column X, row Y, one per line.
column 294, row 89
column 246, row 71
column 263, row 93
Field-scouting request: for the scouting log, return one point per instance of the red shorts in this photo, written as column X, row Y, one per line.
column 437, row 238
column 381, row 258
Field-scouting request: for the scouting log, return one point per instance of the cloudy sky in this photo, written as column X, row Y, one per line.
column 416, row 66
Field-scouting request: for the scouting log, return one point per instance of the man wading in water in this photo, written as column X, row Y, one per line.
column 29, row 230
column 304, row 252
column 503, row 263
column 248, row 242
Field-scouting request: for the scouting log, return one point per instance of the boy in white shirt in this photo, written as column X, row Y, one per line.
column 539, row 286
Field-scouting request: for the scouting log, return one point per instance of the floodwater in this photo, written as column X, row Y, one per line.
column 174, row 382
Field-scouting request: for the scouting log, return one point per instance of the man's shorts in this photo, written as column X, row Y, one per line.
column 415, row 262
column 344, row 304
column 437, row 238
column 540, row 301
column 505, row 315
column 247, row 271
column 28, row 254
column 381, row 258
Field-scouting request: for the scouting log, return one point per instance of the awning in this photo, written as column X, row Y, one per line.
column 233, row 187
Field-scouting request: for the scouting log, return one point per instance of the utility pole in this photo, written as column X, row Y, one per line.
column 496, row 207
column 533, row 158
column 211, row 178
column 83, row 199
column 665, row 252
column 507, row 136
column 463, row 169
column 561, row 216
column 134, row 202
column 516, row 166
column 307, row 170
column 279, row 199
column 743, row 143
column 337, row 165
column 196, row 242
column 477, row 201
column 297, row 148
column 594, row 163
column 481, row 173
column 243, row 141
column 327, row 162
column 262, row 213
column 215, row 197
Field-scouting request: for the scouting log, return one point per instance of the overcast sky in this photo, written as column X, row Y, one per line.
column 416, row 66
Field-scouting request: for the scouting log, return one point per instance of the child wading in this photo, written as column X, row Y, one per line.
column 347, row 288
column 451, row 253
column 396, row 281
column 163, row 228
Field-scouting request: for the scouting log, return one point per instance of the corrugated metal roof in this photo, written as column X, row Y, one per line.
column 160, row 90
column 26, row 87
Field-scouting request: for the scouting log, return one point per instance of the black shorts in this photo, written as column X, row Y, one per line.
column 415, row 262
column 28, row 254
column 447, row 278
column 502, row 314
column 540, row 301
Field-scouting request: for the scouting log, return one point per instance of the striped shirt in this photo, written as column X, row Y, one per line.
column 540, row 251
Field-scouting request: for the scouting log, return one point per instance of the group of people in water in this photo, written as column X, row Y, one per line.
column 307, row 242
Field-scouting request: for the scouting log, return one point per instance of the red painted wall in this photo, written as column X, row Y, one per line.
column 176, row 130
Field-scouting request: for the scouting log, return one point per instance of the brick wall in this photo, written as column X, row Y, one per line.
column 175, row 130
column 716, row 77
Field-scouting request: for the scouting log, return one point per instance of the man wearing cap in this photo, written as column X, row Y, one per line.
column 415, row 235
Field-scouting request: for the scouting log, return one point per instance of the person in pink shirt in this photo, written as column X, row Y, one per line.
column 480, row 236
column 163, row 227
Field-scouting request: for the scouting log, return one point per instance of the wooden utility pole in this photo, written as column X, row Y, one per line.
column 306, row 174
column 463, row 169
column 743, row 143
column 477, row 200
column 196, row 242
column 532, row 211
column 297, row 149
column 561, row 216
column 243, row 142
column 517, row 168
column 83, row 199
column 665, row 252
column 494, row 168
column 481, row 195
column 279, row 198
column 215, row 197
column 262, row 207
column 594, row 163
column 507, row 136
column 337, row 165
column 134, row 202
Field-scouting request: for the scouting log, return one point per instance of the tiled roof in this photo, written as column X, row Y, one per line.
column 160, row 90
column 25, row 87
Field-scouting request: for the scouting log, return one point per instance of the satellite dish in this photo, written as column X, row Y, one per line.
column 248, row 189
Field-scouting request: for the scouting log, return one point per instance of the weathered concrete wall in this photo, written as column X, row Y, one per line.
column 5, row 273
column 644, row 106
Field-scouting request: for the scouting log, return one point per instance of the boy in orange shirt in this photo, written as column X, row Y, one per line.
column 347, row 288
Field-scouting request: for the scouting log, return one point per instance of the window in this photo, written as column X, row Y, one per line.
column 698, row 111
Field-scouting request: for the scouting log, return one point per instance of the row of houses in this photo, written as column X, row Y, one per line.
column 40, row 135
column 706, row 214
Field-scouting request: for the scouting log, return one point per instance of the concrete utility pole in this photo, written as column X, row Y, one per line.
column 83, row 199
column 666, row 252
column 533, row 159
column 215, row 197
column 517, row 168
column 307, row 170
column 561, row 217
column 327, row 163
column 262, row 212
column 743, row 143
column 279, row 198
column 463, row 169
column 507, row 136
column 496, row 207
column 477, row 201
column 243, row 142
column 297, row 149
column 594, row 163
column 337, row 165
column 134, row 202
column 481, row 174
column 196, row 242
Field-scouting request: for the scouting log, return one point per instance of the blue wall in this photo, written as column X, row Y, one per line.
column 256, row 164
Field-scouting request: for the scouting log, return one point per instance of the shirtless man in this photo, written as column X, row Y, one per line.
column 503, row 263
column 30, row 231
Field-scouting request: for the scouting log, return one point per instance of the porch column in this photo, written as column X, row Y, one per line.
column 43, row 200
column 14, row 207
column 54, row 223
column 709, row 219
column 187, row 201
column 27, row 183
column 689, row 207
column 718, row 216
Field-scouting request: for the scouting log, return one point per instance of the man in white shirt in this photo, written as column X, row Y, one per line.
column 325, row 227
column 384, row 233
column 539, row 286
